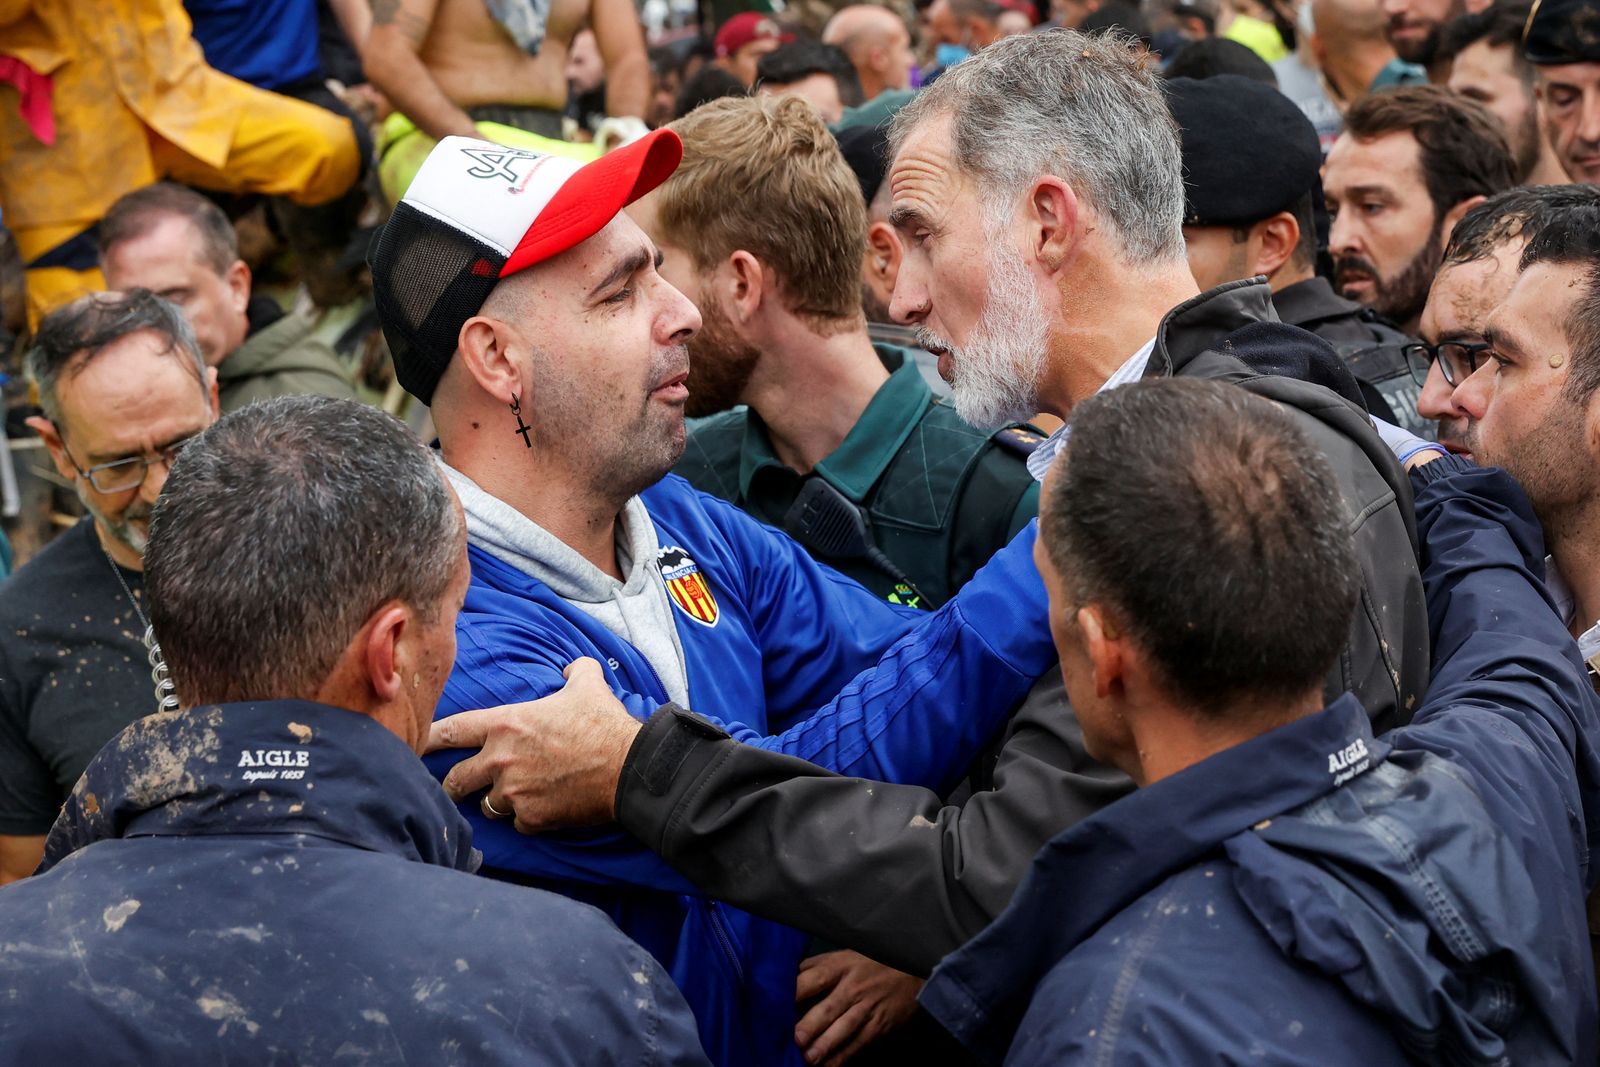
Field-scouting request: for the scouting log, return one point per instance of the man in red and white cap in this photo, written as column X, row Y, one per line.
column 530, row 314
column 743, row 40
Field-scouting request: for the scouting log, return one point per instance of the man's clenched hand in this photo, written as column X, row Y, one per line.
column 550, row 763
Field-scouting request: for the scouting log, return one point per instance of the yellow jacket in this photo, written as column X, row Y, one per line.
column 122, row 69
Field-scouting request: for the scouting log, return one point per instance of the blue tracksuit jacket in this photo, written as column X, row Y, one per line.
column 1318, row 896
column 281, row 882
column 795, row 658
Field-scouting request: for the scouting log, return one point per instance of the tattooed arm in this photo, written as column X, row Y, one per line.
column 394, row 65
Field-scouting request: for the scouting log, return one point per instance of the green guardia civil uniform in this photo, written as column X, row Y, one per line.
column 941, row 496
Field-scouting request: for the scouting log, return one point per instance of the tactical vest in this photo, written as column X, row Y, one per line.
column 940, row 509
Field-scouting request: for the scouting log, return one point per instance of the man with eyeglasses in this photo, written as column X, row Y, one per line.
column 123, row 387
column 1480, row 266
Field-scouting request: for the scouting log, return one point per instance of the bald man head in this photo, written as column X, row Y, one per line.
column 877, row 42
column 1350, row 45
column 1345, row 21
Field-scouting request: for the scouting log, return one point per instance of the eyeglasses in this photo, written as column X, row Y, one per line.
column 1457, row 359
column 121, row 475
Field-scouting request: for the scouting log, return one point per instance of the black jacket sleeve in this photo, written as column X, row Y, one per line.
column 889, row 870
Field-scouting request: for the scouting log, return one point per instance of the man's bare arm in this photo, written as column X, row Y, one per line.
column 393, row 63
column 355, row 20
column 19, row 856
column 620, row 39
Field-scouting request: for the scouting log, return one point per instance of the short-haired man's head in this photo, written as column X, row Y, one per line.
column 705, row 85
column 137, row 212
column 71, row 337
column 281, row 529
column 1526, row 213
column 1499, row 25
column 1576, row 242
column 803, row 59
column 1087, row 109
column 764, row 175
column 1211, row 529
column 1463, row 150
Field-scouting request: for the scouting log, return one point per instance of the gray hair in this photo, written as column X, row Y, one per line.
column 71, row 337
column 1084, row 108
column 281, row 529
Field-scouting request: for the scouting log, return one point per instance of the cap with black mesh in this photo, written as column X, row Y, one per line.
column 439, row 278
column 478, row 212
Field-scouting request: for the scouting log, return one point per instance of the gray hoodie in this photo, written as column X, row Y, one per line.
column 636, row 610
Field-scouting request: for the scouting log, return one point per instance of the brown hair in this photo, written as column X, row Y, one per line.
column 764, row 175
column 138, row 212
column 1464, row 152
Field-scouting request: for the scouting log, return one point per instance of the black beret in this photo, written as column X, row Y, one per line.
column 1248, row 151
column 866, row 149
column 1562, row 31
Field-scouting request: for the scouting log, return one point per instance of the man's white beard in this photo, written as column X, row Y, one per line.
column 995, row 375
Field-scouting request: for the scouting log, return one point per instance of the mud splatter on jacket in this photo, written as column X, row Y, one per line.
column 282, row 882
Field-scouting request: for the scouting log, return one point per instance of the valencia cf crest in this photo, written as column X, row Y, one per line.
column 687, row 587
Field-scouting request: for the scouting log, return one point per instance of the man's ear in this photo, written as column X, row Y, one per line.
column 381, row 653
column 1052, row 214
column 1447, row 225
column 52, row 443
column 743, row 284
column 1106, row 648
column 884, row 253
column 485, row 346
column 1591, row 422
column 237, row 279
column 1274, row 240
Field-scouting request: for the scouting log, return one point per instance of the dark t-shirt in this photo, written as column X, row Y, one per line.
column 73, row 673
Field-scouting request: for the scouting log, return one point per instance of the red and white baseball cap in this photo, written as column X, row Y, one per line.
column 745, row 27
column 478, row 212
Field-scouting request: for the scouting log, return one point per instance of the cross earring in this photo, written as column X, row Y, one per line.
column 522, row 427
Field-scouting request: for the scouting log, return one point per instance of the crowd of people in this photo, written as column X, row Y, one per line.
column 584, row 532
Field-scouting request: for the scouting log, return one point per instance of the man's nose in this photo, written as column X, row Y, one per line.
column 680, row 320
column 1472, row 395
column 909, row 303
column 1437, row 399
column 1589, row 117
column 155, row 476
column 1341, row 234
